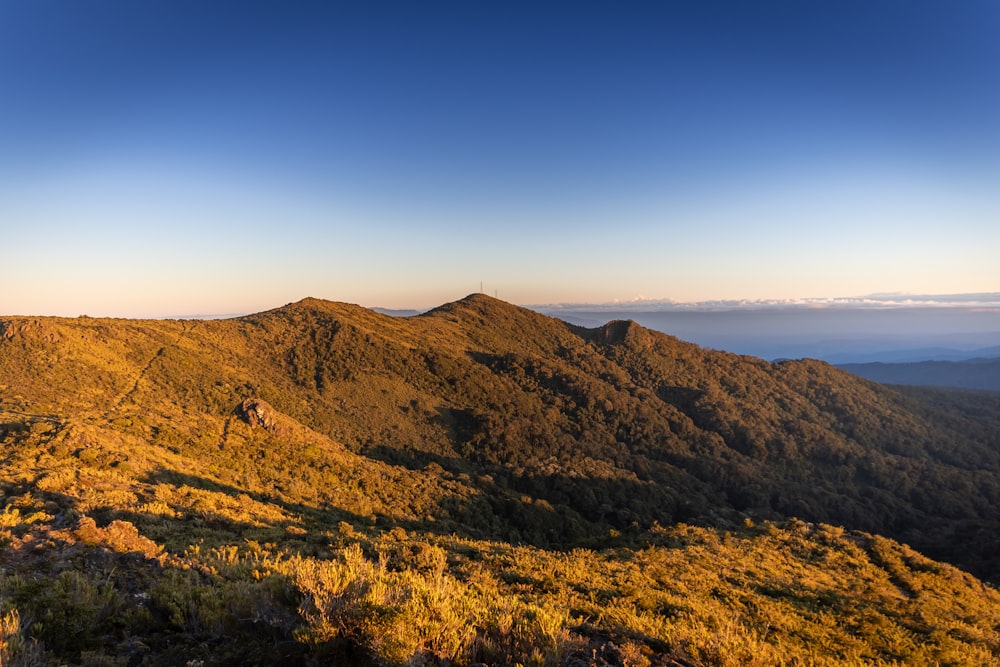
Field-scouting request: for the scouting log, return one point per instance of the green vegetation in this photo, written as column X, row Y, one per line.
column 322, row 484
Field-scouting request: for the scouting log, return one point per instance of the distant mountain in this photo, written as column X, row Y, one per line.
column 397, row 312
column 845, row 353
column 837, row 333
column 981, row 373
column 323, row 482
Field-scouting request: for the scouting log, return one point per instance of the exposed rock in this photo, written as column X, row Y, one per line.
column 619, row 332
column 257, row 412
column 31, row 329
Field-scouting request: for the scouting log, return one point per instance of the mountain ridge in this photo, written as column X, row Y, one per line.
column 482, row 382
column 475, row 428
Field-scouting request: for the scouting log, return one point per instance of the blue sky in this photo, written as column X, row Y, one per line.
column 183, row 157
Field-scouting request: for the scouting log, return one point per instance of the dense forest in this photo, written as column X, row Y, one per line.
column 481, row 483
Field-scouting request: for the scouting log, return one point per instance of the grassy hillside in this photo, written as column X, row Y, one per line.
column 323, row 483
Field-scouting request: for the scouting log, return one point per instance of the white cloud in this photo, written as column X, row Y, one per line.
column 872, row 301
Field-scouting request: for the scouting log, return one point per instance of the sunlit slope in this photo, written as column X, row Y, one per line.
column 118, row 551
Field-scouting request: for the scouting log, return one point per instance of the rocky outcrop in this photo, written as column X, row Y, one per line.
column 619, row 332
column 29, row 329
column 259, row 413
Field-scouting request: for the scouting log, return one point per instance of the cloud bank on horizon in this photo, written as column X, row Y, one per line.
column 987, row 300
column 879, row 327
column 185, row 156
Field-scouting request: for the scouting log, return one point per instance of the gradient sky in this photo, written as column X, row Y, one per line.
column 179, row 157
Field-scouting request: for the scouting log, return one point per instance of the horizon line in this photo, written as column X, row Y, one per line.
column 972, row 300
column 988, row 300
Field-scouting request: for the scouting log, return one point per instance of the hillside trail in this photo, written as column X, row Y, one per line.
column 55, row 419
column 123, row 398
column 224, row 438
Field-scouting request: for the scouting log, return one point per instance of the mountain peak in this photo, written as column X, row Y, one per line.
column 482, row 309
column 312, row 307
column 617, row 332
column 475, row 301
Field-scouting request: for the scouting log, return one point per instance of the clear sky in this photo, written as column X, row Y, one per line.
column 170, row 157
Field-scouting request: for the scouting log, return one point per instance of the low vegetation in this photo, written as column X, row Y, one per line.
column 321, row 484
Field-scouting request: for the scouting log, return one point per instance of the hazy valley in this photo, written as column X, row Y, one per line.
column 981, row 373
column 877, row 329
column 480, row 483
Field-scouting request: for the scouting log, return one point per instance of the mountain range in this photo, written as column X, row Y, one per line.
column 480, row 483
column 978, row 373
column 838, row 332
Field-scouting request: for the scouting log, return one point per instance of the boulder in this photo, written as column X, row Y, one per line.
column 257, row 412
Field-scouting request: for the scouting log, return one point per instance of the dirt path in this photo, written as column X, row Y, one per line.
column 225, row 432
column 55, row 419
column 145, row 369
